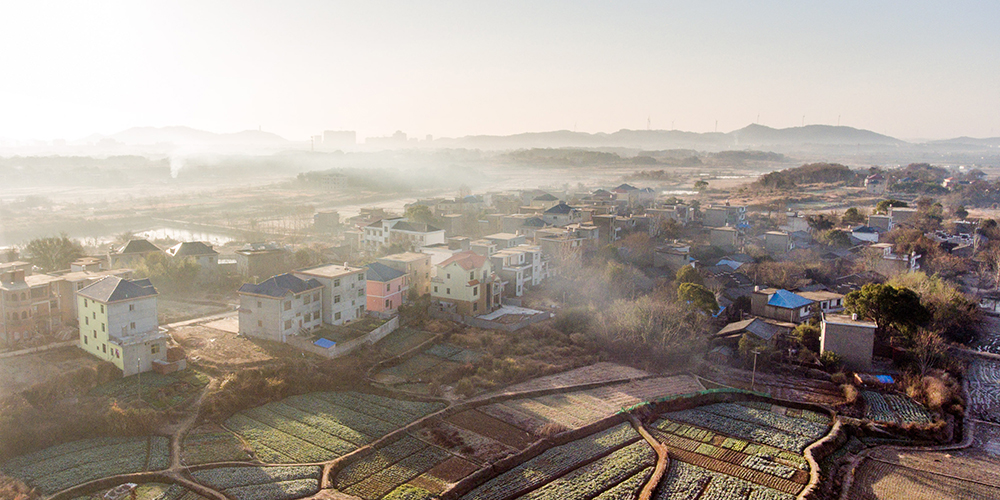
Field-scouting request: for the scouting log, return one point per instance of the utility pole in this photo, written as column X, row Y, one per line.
column 753, row 377
column 138, row 377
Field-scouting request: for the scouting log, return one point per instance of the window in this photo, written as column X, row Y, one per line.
column 288, row 324
column 260, row 323
column 386, row 303
column 118, row 354
column 475, row 291
column 316, row 315
column 259, row 304
column 361, row 293
column 472, row 275
column 86, row 321
column 336, row 282
column 102, row 327
column 154, row 349
column 388, row 288
column 306, row 299
column 132, row 325
column 447, row 291
column 102, row 308
column 316, row 296
column 84, row 340
column 435, row 289
column 104, row 347
column 449, row 275
column 95, row 315
column 336, row 317
column 288, row 305
column 361, row 277
column 131, row 307
column 336, row 299
column 84, row 302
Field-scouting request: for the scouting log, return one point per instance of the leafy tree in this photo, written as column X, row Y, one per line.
column 952, row 314
column 883, row 206
column 896, row 308
column 960, row 212
column 807, row 336
column 750, row 343
column 669, row 229
column 821, row 222
column 53, row 253
column 305, row 257
column 700, row 185
column 830, row 360
column 835, row 238
column 169, row 274
column 421, row 213
column 688, row 274
column 854, row 216
column 698, row 297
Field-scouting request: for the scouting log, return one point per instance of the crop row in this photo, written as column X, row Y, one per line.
column 394, row 417
column 513, row 416
column 629, row 488
column 878, row 408
column 379, row 460
column 282, row 490
column 321, row 421
column 741, row 429
column 602, row 474
column 60, row 467
column 383, row 482
column 585, row 414
column 408, row 492
column 231, row 477
column 907, row 410
column 536, row 408
column 350, row 418
column 787, row 424
column 300, row 430
column 768, row 466
column 553, row 463
column 690, row 482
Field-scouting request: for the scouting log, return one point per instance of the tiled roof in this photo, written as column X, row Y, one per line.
column 281, row 285
column 382, row 273
column 113, row 289
column 191, row 248
column 417, row 227
column 546, row 197
column 561, row 208
column 467, row 260
column 138, row 246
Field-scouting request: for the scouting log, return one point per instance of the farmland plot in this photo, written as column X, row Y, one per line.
column 261, row 483
column 598, row 372
column 878, row 480
column 601, row 475
column 751, row 424
column 212, row 444
column 403, row 340
column 60, row 467
column 384, row 470
column 554, row 463
column 984, row 389
column 689, row 482
column 887, row 407
column 322, row 426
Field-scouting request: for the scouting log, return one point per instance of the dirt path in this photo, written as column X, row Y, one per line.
column 662, row 459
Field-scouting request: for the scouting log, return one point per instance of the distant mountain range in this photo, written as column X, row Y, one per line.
column 750, row 137
column 187, row 136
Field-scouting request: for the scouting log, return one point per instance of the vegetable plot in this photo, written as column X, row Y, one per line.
column 262, row 483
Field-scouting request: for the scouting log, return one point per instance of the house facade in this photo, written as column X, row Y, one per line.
column 118, row 323
column 280, row 306
column 345, row 293
column 29, row 304
column 386, row 287
column 132, row 253
column 852, row 339
column 520, row 267
column 467, row 284
column 780, row 305
column 417, row 267
column 199, row 252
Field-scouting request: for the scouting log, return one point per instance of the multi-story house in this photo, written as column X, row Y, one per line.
column 198, row 251
column 29, row 304
column 413, row 235
column 506, row 240
column 520, row 267
column 417, row 267
column 466, row 284
column 118, row 323
column 724, row 215
column 562, row 215
column 132, row 253
column 386, row 287
column 280, row 306
column 781, row 305
column 262, row 259
column 69, row 283
column 344, row 291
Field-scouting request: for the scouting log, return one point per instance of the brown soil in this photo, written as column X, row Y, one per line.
column 492, row 428
column 452, row 470
column 223, row 350
column 17, row 373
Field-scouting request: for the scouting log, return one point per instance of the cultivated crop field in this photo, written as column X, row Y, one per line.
column 740, row 448
column 433, row 362
column 888, row 407
column 210, row 443
column 878, row 480
column 403, row 340
column 690, row 482
column 261, row 483
column 984, row 389
column 595, row 373
column 322, row 426
column 158, row 391
column 159, row 491
column 60, row 467
column 386, row 469
column 570, row 470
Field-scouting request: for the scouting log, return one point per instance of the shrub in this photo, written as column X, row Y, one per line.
column 830, row 360
column 850, row 393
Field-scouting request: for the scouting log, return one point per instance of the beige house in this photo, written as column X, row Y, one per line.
column 416, row 265
column 466, row 284
column 852, row 339
column 723, row 237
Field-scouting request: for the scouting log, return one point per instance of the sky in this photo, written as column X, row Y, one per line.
column 910, row 69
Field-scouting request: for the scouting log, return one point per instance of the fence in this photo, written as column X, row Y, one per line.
column 344, row 348
column 485, row 323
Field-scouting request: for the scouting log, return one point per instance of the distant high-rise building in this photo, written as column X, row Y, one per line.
column 339, row 139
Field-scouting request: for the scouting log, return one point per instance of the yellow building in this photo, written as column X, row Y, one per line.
column 466, row 284
column 118, row 323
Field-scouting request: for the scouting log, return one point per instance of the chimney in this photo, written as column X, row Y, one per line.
column 854, row 316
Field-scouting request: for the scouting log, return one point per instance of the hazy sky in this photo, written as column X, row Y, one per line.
column 911, row 69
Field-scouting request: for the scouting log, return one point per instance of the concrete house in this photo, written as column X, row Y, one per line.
column 506, row 240
column 852, row 339
column 345, row 293
column 198, row 251
column 262, row 259
column 723, row 237
column 29, row 304
column 826, row 302
column 413, row 235
column 781, row 305
column 723, row 215
column 466, row 284
column 118, row 323
column 777, row 242
column 280, row 306
column 132, row 253
column 417, row 267
column 386, row 288
column 562, row 215
column 68, row 284
column 520, row 268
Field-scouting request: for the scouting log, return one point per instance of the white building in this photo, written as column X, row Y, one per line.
column 280, row 306
column 118, row 323
column 520, row 267
column 344, row 291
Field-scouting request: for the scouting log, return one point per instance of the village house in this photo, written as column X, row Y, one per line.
column 466, row 284
column 417, row 267
column 344, row 291
column 723, row 237
column 850, row 338
column 199, row 252
column 825, row 302
column 68, row 284
column 132, row 253
column 520, row 267
column 386, row 288
column 413, row 235
column 118, row 323
column 256, row 260
column 777, row 242
column 562, row 215
column 280, row 306
column 29, row 304
column 723, row 215
column 506, row 240
column 781, row 305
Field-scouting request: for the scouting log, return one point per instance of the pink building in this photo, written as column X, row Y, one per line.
column 387, row 287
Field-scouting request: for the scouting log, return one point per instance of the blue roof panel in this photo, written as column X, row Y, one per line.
column 325, row 343
column 788, row 300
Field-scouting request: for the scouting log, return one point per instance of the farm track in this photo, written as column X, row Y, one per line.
column 662, row 459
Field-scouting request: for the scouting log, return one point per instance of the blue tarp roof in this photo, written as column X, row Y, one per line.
column 788, row 300
column 885, row 379
column 325, row 343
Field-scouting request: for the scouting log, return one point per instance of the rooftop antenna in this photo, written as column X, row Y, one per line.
column 671, row 125
column 716, row 125
column 649, row 122
column 758, row 119
column 803, row 120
